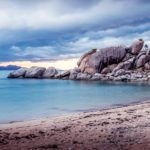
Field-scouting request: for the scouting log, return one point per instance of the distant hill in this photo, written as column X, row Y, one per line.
column 9, row 67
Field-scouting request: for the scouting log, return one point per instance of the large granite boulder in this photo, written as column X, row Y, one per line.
column 35, row 72
column 95, row 62
column 85, row 56
column 125, row 65
column 50, row 72
column 19, row 73
column 142, row 59
column 137, row 46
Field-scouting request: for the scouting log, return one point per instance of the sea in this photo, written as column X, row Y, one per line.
column 26, row 99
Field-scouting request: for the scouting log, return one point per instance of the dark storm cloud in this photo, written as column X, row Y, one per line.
column 54, row 29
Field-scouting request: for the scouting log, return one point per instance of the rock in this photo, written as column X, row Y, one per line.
column 137, row 75
column 147, row 66
column 73, row 73
column 73, row 76
column 90, row 70
column 95, row 62
column 143, row 59
column 50, row 72
column 142, row 79
column 19, row 73
column 57, row 76
column 100, row 60
column 124, row 78
column 125, row 65
column 97, row 76
column 119, row 72
column 128, row 72
column 112, row 67
column 35, row 72
column 105, row 78
column 86, row 55
column 65, row 78
column 117, row 79
column 65, row 74
column 105, row 71
column 83, row 76
column 110, row 78
column 140, row 69
column 75, row 70
column 137, row 46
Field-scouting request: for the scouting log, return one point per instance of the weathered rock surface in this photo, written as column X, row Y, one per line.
column 20, row 73
column 137, row 46
column 73, row 73
column 147, row 66
column 83, row 76
column 125, row 65
column 142, row 59
column 50, row 72
column 97, row 76
column 106, row 70
column 65, row 74
column 95, row 61
column 35, row 72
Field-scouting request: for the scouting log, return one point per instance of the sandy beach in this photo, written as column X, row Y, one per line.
column 125, row 128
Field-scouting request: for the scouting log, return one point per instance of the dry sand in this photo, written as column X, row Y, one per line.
column 126, row 128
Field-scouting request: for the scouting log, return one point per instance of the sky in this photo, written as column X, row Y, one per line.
column 57, row 32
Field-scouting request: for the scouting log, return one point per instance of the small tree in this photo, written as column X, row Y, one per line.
column 146, row 47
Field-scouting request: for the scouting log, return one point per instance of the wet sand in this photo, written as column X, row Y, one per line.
column 125, row 128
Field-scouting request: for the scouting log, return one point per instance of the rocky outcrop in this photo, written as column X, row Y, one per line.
column 120, row 63
column 50, row 72
column 35, row 72
column 95, row 61
column 20, row 73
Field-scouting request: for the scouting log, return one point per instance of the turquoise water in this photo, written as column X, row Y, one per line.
column 22, row 99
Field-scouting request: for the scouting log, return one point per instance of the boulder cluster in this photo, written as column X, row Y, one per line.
column 112, row 63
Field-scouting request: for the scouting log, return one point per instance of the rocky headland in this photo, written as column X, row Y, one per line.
column 120, row 63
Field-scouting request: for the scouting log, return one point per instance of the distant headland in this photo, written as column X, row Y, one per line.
column 10, row 67
column 116, row 63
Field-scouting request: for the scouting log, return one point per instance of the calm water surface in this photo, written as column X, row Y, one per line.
column 22, row 99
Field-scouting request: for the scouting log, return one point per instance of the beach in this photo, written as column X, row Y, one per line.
column 124, row 128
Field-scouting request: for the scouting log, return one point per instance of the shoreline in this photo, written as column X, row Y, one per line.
column 80, row 111
column 126, row 127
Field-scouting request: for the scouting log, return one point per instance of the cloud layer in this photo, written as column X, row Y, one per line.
column 58, row 29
